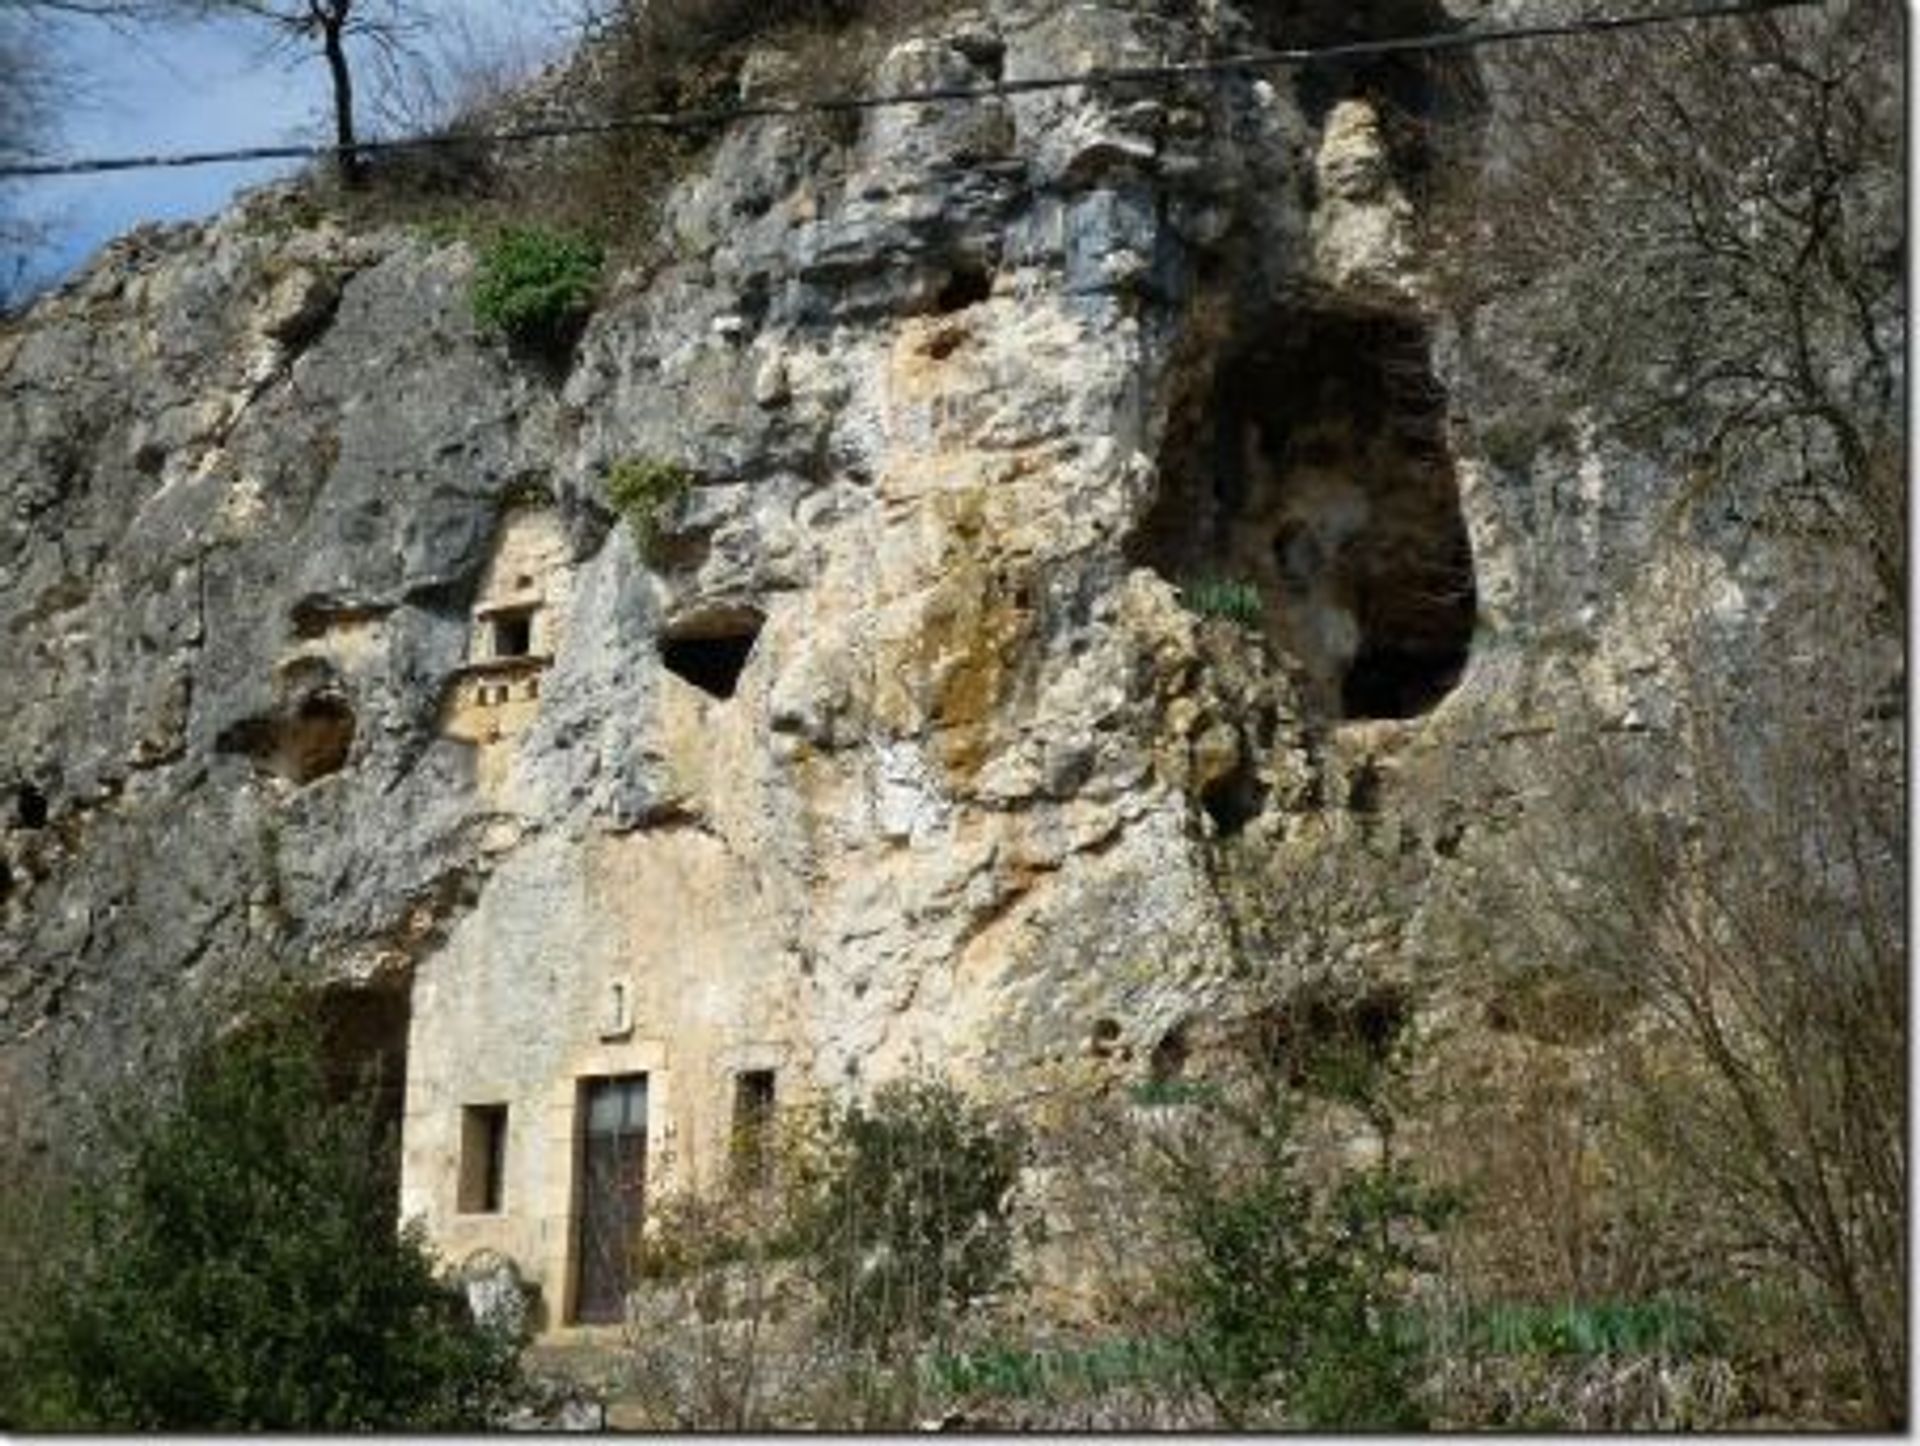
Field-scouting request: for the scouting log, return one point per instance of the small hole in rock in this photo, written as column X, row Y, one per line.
column 1106, row 1035
column 1169, row 1058
column 6, row 880
column 711, row 653
column 1363, row 792
column 30, row 807
column 945, row 344
column 1234, row 801
column 965, row 286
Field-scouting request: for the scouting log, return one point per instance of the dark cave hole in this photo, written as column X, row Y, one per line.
column 1390, row 682
column 29, row 807
column 317, row 740
column 1168, row 1061
column 1234, row 801
column 1413, row 93
column 965, row 286
column 1312, row 465
column 363, row 1037
column 1320, row 1036
column 711, row 653
column 6, row 881
column 310, row 742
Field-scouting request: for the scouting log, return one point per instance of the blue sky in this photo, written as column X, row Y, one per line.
column 207, row 87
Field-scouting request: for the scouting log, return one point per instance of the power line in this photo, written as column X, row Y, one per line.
column 821, row 105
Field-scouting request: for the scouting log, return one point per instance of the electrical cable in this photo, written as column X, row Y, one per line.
column 1093, row 79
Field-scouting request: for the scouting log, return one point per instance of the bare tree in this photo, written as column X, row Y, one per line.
column 30, row 90
column 386, row 27
column 1703, row 224
column 1741, row 874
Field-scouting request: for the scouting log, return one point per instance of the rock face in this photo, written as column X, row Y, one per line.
column 329, row 650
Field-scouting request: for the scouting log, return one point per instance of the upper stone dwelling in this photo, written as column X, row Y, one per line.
column 328, row 650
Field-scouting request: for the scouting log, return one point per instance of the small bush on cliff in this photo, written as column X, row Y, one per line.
column 643, row 489
column 238, row 1270
column 536, row 287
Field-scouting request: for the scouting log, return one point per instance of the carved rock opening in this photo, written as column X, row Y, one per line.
column 308, row 741
column 710, row 650
column 363, row 1043
column 1313, row 464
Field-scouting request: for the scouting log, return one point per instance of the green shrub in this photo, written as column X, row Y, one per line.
column 536, row 287
column 1294, row 1290
column 238, row 1269
column 1234, row 599
column 903, row 1210
column 642, row 489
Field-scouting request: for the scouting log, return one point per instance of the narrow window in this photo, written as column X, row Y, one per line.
column 483, row 1159
column 513, row 634
column 752, row 1126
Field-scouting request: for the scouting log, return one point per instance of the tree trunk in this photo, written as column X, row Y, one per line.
column 333, row 23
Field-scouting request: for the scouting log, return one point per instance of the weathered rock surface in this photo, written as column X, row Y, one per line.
column 968, row 401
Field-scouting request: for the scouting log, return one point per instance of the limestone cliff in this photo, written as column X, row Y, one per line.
column 329, row 649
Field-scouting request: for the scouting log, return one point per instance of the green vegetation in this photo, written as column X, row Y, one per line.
column 903, row 1210
column 237, row 1268
column 1234, row 599
column 1168, row 1093
column 1004, row 1369
column 1610, row 1328
column 1296, row 1289
column 644, row 489
column 536, row 287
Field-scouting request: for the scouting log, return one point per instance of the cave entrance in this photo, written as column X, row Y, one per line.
column 363, row 1048
column 1313, row 465
column 710, row 650
column 308, row 741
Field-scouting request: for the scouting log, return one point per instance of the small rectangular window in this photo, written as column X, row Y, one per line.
column 752, row 1143
column 483, row 1159
column 513, row 634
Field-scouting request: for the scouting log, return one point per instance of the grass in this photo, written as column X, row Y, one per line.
column 1660, row 1326
column 1150, row 1094
column 1234, row 599
column 1027, row 1373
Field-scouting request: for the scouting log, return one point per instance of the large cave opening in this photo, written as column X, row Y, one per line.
column 1411, row 90
column 1313, row 465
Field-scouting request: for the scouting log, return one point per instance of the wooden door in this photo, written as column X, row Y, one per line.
column 613, row 1178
